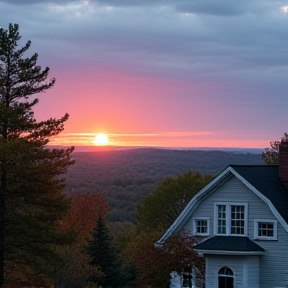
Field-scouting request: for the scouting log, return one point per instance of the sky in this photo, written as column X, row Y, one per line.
column 168, row 73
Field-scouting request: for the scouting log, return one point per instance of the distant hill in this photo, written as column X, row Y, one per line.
column 111, row 148
column 125, row 176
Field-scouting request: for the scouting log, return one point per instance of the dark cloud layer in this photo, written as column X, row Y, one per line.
column 216, row 7
column 197, row 35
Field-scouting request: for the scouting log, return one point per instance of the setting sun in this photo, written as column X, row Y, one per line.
column 101, row 139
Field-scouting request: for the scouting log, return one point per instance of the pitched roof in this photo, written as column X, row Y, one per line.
column 265, row 178
column 229, row 244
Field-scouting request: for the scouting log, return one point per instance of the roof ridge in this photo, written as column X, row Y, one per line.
column 254, row 165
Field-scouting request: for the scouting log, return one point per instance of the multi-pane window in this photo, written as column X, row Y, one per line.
column 230, row 219
column 265, row 229
column 201, row 226
column 237, row 219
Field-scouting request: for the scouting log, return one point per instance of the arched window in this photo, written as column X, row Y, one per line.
column 225, row 278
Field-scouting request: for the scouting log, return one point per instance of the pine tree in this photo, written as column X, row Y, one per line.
column 103, row 255
column 31, row 197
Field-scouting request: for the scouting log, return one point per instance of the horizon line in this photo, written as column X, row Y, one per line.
column 85, row 148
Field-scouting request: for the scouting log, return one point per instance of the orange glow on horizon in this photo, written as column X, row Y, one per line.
column 168, row 140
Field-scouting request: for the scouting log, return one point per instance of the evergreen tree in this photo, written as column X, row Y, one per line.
column 31, row 197
column 103, row 255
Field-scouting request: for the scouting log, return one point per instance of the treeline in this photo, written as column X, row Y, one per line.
column 125, row 176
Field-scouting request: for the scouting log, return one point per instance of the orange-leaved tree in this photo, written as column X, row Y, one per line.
column 85, row 209
column 74, row 269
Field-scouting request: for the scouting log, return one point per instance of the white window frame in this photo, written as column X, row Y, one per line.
column 195, row 219
column 228, row 218
column 270, row 221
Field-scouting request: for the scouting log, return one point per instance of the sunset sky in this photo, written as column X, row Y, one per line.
column 180, row 73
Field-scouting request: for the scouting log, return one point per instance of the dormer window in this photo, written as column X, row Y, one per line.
column 230, row 218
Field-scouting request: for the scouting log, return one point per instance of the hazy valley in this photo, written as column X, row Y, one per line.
column 125, row 176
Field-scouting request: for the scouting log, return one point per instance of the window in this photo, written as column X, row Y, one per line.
column 265, row 229
column 201, row 226
column 231, row 218
column 225, row 278
column 237, row 219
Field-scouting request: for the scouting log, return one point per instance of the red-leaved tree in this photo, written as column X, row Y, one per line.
column 74, row 269
column 84, row 211
column 154, row 264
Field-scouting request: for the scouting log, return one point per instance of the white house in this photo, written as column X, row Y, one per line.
column 242, row 216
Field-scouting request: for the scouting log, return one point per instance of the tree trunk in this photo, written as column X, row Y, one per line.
column 2, row 225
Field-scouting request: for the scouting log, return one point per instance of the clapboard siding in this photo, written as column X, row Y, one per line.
column 245, row 269
column 274, row 264
column 217, row 262
column 253, row 271
column 232, row 191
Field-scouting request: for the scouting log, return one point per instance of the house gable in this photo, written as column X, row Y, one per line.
column 237, row 172
column 193, row 204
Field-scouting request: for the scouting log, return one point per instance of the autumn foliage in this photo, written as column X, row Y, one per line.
column 84, row 211
column 74, row 268
column 154, row 264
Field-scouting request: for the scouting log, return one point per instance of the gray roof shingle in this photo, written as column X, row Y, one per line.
column 265, row 178
column 229, row 243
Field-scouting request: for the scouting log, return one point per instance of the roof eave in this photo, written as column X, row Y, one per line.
column 225, row 252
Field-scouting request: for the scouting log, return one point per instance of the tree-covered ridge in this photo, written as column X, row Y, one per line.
column 125, row 176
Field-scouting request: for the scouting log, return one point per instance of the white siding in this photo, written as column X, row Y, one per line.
column 253, row 271
column 217, row 262
column 245, row 269
column 274, row 264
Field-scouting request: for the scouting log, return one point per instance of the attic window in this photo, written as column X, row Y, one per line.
column 201, row 226
column 265, row 229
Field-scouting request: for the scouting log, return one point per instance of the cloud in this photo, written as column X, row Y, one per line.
column 158, row 37
column 182, row 39
column 215, row 7
column 29, row 2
